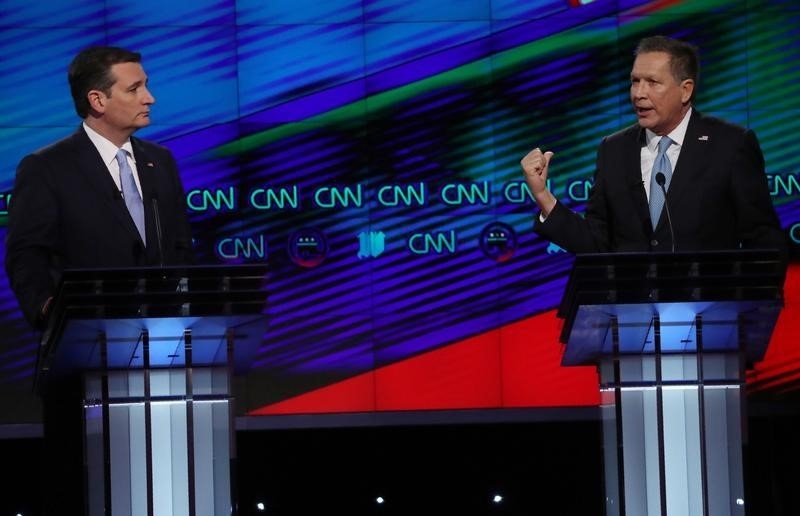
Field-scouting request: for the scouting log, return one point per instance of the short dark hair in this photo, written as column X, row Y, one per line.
column 684, row 57
column 91, row 70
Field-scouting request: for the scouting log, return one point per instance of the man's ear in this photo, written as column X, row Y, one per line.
column 97, row 100
column 687, row 89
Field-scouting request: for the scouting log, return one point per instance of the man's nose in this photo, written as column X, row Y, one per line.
column 148, row 97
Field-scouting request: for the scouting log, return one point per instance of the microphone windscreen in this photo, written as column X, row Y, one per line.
column 661, row 179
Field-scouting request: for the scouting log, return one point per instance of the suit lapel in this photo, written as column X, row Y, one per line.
column 91, row 167
column 692, row 160
column 633, row 168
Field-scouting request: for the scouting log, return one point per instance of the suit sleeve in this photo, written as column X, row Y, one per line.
column 573, row 232
column 757, row 223
column 32, row 237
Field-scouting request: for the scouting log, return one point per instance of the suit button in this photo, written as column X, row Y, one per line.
column 654, row 243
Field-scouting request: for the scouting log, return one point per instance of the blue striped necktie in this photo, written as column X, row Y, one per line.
column 662, row 165
column 130, row 193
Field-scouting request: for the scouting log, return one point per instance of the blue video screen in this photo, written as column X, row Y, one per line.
column 368, row 150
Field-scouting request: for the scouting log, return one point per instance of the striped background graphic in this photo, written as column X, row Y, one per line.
column 306, row 96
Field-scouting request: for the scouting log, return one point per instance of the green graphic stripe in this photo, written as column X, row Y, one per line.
column 569, row 41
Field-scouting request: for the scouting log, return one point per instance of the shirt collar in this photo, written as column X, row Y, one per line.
column 677, row 135
column 107, row 150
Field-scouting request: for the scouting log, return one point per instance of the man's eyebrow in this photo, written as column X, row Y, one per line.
column 137, row 83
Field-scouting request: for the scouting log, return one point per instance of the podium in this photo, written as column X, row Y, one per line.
column 671, row 335
column 157, row 349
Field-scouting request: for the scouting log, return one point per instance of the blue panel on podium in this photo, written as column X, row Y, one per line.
column 80, row 347
column 141, row 318
column 614, row 303
column 727, row 326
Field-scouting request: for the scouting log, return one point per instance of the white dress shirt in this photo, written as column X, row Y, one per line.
column 108, row 152
column 650, row 150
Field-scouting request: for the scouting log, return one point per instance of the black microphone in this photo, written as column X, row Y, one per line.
column 662, row 180
column 158, row 230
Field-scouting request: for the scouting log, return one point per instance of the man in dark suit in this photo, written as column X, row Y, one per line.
column 67, row 209
column 713, row 172
column 99, row 198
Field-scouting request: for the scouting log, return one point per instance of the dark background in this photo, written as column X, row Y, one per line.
column 538, row 467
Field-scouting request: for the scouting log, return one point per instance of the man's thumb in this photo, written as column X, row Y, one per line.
column 547, row 156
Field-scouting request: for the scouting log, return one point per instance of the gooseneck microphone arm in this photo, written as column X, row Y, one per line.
column 662, row 180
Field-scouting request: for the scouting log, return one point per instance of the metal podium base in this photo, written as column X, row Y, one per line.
column 671, row 334
column 672, row 431
column 156, row 348
column 162, row 452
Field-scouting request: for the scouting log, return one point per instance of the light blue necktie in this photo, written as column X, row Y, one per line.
column 662, row 165
column 130, row 193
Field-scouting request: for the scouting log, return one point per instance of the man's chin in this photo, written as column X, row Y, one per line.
column 648, row 124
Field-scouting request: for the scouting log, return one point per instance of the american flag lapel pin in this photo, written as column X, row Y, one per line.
column 703, row 138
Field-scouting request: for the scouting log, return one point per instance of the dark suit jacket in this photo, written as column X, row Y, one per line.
column 718, row 197
column 67, row 213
